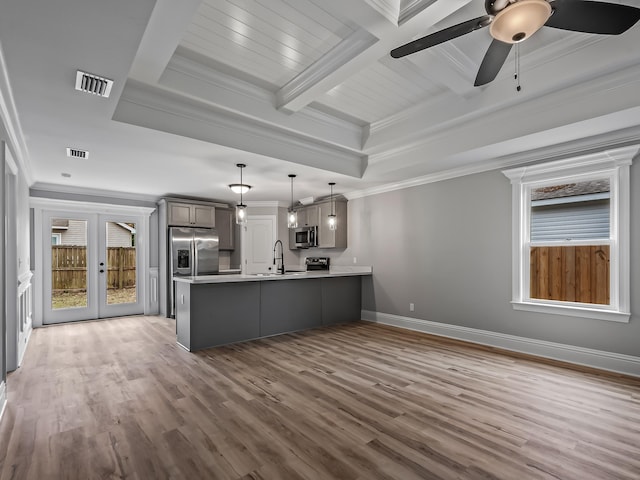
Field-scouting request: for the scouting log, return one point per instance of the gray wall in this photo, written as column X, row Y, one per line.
column 446, row 247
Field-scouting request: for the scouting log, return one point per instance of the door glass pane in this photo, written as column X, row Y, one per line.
column 68, row 263
column 121, row 263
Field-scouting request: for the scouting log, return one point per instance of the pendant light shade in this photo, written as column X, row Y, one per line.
column 333, row 224
column 241, row 208
column 292, row 215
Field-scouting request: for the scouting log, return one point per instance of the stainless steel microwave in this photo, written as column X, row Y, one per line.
column 303, row 237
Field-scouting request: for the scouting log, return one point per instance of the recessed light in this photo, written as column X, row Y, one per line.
column 66, row 175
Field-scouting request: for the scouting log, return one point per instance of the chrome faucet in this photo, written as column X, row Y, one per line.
column 279, row 269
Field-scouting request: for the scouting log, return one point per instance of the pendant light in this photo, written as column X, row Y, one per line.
column 241, row 208
column 333, row 224
column 292, row 215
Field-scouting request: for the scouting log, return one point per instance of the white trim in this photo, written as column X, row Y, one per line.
column 10, row 119
column 87, row 207
column 610, row 361
column 612, row 163
column 152, row 292
column 3, row 398
column 554, row 152
column 44, row 188
column 259, row 203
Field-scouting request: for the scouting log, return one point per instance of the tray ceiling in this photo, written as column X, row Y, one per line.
column 298, row 86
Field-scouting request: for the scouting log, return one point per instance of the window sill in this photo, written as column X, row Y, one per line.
column 583, row 312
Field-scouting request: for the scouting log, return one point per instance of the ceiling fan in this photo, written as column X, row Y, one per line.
column 512, row 21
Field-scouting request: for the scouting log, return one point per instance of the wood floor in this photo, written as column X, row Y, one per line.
column 119, row 399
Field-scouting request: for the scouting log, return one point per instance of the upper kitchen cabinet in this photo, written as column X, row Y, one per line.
column 181, row 214
column 328, row 238
column 225, row 224
column 308, row 216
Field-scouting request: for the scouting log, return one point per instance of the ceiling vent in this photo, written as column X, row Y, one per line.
column 90, row 83
column 77, row 153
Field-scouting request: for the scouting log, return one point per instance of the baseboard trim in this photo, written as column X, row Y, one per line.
column 3, row 398
column 613, row 362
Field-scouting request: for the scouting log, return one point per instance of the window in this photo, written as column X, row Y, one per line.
column 56, row 238
column 571, row 236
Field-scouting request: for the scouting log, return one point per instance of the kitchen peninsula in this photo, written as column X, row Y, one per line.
column 215, row 310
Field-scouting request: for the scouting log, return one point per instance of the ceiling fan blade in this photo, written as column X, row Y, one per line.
column 492, row 62
column 441, row 36
column 592, row 17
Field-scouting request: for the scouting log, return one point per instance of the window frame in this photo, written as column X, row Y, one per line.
column 614, row 164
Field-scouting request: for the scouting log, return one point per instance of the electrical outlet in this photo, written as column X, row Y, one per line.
column 412, row 307
column 355, row 260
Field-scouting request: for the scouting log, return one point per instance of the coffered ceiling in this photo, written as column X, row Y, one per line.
column 296, row 86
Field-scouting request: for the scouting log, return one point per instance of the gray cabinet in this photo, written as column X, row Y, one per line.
column 308, row 216
column 328, row 238
column 225, row 224
column 181, row 214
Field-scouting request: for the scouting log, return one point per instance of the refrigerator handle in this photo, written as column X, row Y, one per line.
column 194, row 255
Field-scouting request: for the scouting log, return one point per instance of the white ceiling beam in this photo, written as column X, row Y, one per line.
column 244, row 99
column 328, row 72
column 166, row 27
column 158, row 109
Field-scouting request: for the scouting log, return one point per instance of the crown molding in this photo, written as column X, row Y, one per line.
column 159, row 109
column 266, row 203
column 11, row 122
column 616, row 143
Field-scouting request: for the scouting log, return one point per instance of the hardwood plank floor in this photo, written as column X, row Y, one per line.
column 119, row 399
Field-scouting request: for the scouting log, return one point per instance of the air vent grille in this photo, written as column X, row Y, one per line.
column 77, row 153
column 90, row 83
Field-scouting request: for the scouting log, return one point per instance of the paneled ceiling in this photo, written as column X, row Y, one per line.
column 296, row 86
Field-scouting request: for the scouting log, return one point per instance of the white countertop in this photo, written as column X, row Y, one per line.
column 337, row 271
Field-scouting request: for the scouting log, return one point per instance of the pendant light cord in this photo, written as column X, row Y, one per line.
column 517, row 72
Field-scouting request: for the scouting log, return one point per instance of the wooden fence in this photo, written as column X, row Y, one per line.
column 69, row 267
column 570, row 273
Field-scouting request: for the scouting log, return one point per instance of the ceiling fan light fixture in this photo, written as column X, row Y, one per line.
column 520, row 20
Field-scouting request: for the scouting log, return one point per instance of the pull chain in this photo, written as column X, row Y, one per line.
column 517, row 73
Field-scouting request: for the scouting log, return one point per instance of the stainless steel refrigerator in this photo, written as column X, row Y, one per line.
column 193, row 251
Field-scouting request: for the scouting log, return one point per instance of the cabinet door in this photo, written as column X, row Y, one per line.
column 179, row 214
column 302, row 217
column 225, row 222
column 203, row 216
column 312, row 216
column 326, row 236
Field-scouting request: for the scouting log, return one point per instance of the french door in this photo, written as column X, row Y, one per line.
column 91, row 266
